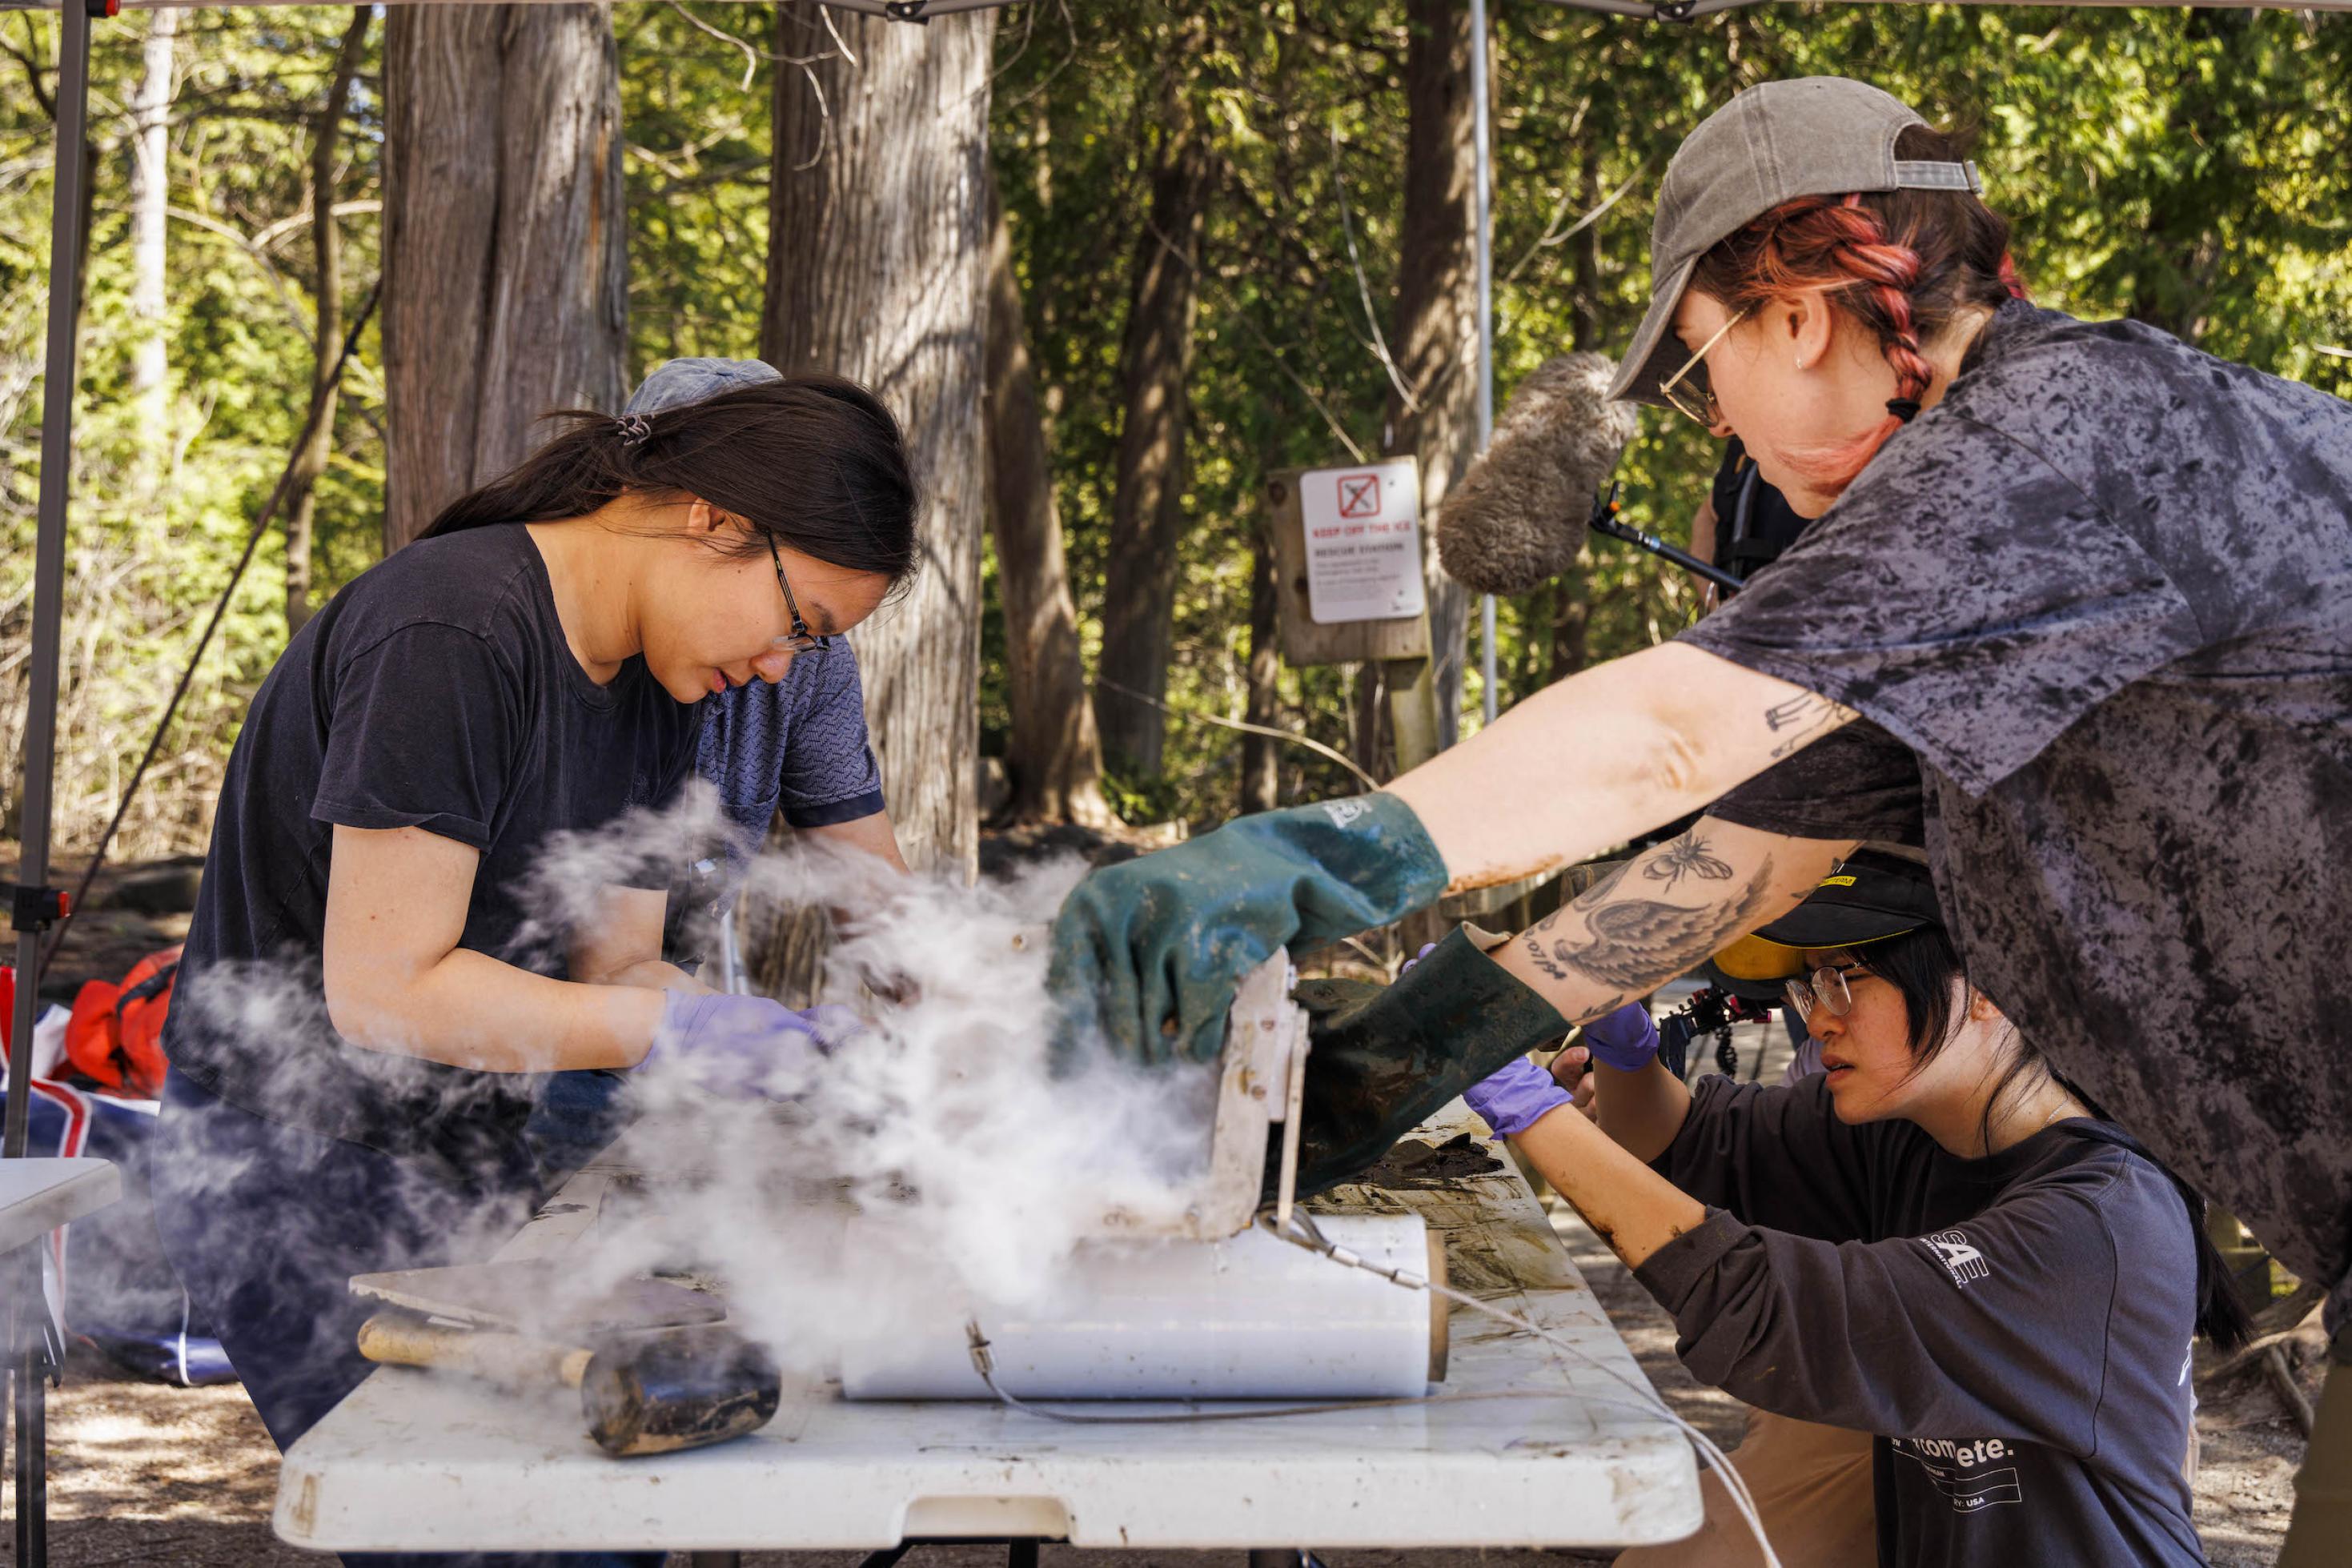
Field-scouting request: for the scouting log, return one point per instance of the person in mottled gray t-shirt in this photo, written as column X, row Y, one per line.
column 2091, row 590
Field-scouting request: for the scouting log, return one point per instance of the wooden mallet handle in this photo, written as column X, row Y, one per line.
column 397, row 1339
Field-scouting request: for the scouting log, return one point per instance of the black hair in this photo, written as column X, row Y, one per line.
column 1922, row 966
column 817, row 462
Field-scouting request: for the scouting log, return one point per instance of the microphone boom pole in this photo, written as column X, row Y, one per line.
column 1604, row 521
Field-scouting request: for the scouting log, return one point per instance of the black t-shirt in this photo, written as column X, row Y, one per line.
column 2098, row 605
column 1753, row 521
column 2015, row 1330
column 436, row 690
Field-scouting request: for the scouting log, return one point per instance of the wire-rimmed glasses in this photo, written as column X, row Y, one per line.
column 1826, row 987
column 1687, row 392
column 801, row 639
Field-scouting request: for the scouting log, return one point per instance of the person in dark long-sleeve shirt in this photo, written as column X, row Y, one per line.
column 1935, row 1241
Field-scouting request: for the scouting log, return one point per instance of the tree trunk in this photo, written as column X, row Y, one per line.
column 506, row 257
column 877, row 269
column 1147, row 506
column 150, row 113
column 1436, row 337
column 327, row 335
column 1056, row 756
column 1262, row 753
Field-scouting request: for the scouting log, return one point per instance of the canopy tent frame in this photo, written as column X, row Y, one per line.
column 35, row 906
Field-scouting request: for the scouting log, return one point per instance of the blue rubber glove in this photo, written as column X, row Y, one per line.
column 1513, row 1099
column 741, row 1046
column 1626, row 1039
column 1146, row 953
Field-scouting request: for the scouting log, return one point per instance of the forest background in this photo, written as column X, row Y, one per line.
column 1113, row 263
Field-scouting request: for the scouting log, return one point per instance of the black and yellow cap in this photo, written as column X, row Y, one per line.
column 1874, row 894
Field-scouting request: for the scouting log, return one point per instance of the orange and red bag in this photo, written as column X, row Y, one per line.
column 115, row 1037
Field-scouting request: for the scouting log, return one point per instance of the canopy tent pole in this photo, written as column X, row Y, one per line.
column 35, row 903
column 1485, row 246
column 34, row 906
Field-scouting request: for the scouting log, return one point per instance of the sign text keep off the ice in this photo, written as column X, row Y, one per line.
column 1364, row 542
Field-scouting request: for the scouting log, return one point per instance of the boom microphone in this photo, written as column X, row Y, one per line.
column 1517, row 517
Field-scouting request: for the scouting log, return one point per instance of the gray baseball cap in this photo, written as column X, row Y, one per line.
column 677, row 382
column 1813, row 136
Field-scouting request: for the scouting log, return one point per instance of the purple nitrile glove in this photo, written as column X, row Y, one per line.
column 1626, row 1039
column 1514, row 1096
column 746, row 1045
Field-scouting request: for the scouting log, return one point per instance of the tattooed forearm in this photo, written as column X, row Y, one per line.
column 1802, row 718
column 1686, row 855
column 1539, row 952
column 1632, row 944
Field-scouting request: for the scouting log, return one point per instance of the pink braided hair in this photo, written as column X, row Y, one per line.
column 1835, row 245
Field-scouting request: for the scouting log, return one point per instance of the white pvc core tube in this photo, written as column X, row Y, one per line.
column 1249, row 1318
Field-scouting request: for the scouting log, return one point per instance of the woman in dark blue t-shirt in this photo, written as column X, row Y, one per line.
column 379, row 969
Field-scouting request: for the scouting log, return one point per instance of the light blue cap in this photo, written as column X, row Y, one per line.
column 677, row 383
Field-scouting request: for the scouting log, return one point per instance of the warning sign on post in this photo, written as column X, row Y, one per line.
column 1364, row 542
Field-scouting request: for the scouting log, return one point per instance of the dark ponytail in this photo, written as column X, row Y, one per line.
column 816, row 461
column 2222, row 1315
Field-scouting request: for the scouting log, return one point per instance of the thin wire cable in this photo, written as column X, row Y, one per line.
column 1312, row 745
column 1646, row 1399
column 1307, row 1237
column 326, row 386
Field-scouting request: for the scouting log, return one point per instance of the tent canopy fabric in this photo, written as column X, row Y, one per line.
column 924, row 10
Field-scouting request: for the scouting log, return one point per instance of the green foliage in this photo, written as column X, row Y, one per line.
column 167, row 484
column 696, row 169
column 2179, row 165
column 2184, row 166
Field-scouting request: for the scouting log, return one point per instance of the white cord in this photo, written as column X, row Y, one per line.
column 1307, row 1235
column 1304, row 1233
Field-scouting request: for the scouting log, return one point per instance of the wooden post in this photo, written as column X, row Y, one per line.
column 1413, row 715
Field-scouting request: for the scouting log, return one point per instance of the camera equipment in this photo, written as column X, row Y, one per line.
column 1604, row 520
column 1709, row 1011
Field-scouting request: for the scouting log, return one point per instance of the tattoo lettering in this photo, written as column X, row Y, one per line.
column 1539, row 955
column 1802, row 718
column 1635, row 943
column 1686, row 855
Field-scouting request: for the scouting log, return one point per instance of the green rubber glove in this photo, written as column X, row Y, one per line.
column 1146, row 953
column 1382, row 1058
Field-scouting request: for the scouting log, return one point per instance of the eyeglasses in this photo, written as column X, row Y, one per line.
column 802, row 640
column 1696, row 399
column 1825, row 986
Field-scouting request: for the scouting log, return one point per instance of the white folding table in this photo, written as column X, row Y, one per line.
column 418, row 1461
column 36, row 1195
